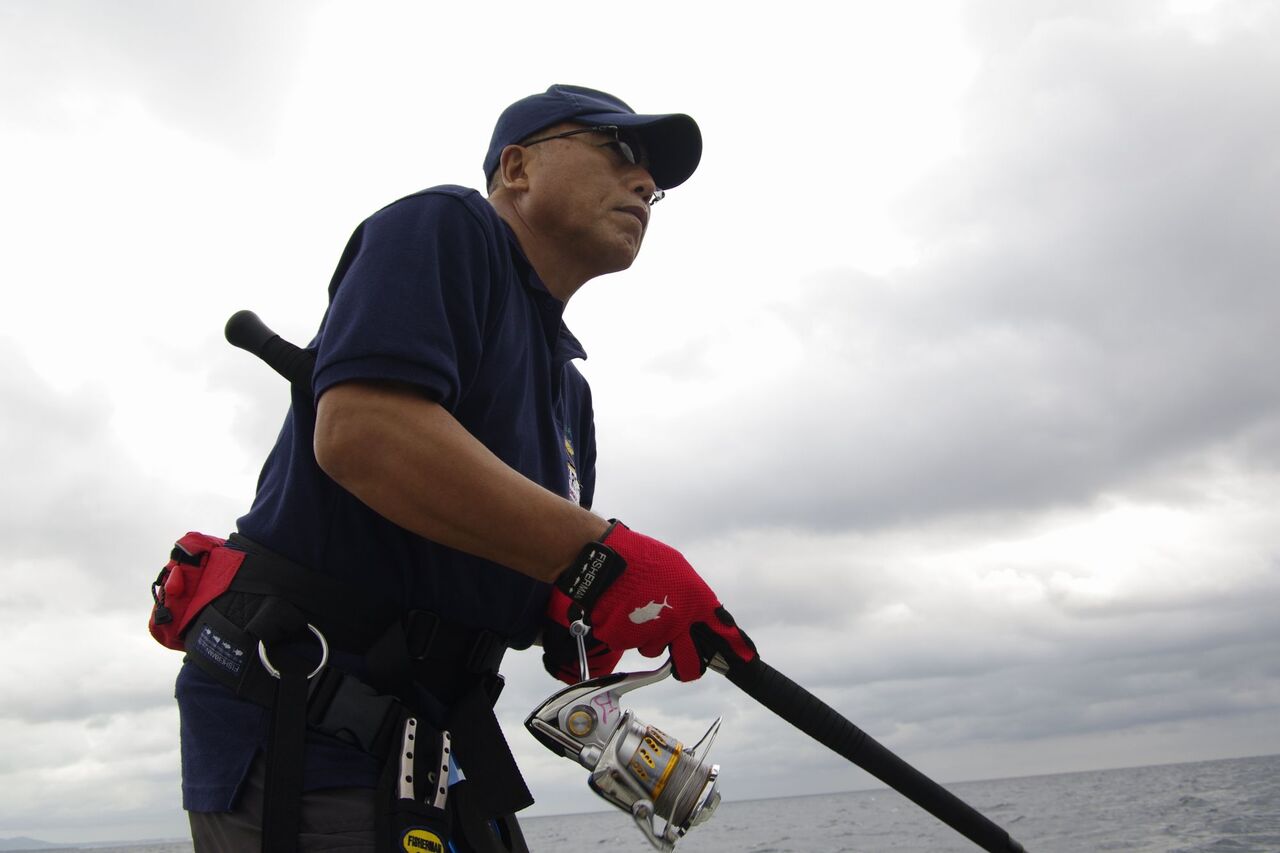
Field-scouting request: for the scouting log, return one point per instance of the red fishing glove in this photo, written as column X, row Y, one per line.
column 560, row 655
column 637, row 593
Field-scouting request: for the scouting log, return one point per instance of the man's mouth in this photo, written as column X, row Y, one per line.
column 639, row 212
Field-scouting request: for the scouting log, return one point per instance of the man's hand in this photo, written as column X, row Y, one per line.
column 638, row 593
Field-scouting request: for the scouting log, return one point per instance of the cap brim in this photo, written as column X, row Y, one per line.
column 673, row 142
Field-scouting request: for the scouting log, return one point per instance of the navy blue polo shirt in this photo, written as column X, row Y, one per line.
column 432, row 292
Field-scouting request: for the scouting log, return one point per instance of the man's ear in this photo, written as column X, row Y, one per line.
column 513, row 168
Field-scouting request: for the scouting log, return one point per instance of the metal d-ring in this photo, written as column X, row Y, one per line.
column 324, row 655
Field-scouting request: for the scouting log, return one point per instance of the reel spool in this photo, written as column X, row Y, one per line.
column 637, row 767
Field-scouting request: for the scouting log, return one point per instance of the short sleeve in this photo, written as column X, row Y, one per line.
column 410, row 299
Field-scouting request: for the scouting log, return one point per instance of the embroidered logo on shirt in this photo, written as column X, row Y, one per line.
column 575, row 487
column 649, row 612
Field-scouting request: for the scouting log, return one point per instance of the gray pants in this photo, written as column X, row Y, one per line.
column 337, row 820
column 334, row 820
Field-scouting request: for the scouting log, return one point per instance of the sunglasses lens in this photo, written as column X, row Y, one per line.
column 628, row 151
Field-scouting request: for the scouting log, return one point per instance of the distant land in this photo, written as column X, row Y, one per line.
column 22, row 844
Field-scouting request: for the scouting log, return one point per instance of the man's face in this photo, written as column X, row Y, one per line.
column 586, row 197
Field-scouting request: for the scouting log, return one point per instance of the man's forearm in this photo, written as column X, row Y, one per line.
column 410, row 461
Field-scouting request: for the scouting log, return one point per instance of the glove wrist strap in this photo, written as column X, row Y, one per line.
column 596, row 567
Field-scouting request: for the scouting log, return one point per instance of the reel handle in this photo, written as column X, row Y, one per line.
column 820, row 721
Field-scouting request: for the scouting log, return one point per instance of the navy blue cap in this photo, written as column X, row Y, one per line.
column 673, row 141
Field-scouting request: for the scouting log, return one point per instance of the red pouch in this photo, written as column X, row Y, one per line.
column 199, row 570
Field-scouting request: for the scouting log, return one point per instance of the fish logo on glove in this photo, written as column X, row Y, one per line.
column 649, row 612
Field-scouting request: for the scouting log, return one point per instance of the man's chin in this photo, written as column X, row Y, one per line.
column 622, row 259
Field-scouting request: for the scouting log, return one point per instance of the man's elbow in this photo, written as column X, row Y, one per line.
column 341, row 432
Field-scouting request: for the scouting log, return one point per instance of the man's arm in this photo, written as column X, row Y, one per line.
column 409, row 460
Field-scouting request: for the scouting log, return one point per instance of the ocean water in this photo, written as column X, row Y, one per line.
column 1228, row 806
column 1214, row 806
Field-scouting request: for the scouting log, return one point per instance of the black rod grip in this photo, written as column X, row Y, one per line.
column 820, row 721
column 247, row 331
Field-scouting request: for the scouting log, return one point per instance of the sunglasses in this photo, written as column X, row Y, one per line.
column 624, row 144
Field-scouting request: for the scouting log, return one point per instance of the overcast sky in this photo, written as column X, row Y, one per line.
column 953, row 368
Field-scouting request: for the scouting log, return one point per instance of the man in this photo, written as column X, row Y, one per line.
column 439, row 469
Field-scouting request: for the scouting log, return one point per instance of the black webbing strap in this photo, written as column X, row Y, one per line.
column 274, row 621
column 286, row 749
column 350, row 618
column 497, row 788
column 421, row 647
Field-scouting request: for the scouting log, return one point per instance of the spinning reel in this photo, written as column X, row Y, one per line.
column 637, row 767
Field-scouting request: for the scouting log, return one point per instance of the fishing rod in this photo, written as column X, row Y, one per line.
column 585, row 722
column 824, row 724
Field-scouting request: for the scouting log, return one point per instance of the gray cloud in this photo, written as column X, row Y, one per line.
column 62, row 467
column 73, row 496
column 1094, row 299
column 1087, row 327
column 220, row 71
